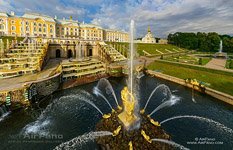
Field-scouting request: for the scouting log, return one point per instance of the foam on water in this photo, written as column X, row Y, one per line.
column 83, row 139
column 38, row 127
column 217, row 124
column 4, row 116
column 171, row 143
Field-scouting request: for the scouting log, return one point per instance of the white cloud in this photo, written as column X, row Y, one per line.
column 164, row 16
column 48, row 7
column 5, row 5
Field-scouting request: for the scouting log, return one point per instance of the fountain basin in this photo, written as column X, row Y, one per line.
column 220, row 55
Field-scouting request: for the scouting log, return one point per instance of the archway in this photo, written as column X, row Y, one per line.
column 58, row 53
column 90, row 52
column 69, row 53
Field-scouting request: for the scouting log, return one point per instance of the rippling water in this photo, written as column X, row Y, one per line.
column 66, row 118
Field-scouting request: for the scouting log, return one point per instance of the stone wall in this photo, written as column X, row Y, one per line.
column 47, row 87
column 216, row 94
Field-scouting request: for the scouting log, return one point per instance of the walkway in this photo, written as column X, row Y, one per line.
column 19, row 82
column 218, row 64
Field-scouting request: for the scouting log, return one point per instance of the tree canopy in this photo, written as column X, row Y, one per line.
column 206, row 42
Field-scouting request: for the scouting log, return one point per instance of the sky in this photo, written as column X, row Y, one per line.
column 163, row 16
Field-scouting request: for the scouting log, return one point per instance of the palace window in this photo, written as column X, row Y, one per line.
column 35, row 29
column 12, row 21
column 2, row 27
column 51, row 26
column 44, row 25
column 27, row 23
column 51, row 30
column 1, row 20
column 27, row 28
column 13, row 28
column 40, row 30
column 39, row 25
column 44, row 29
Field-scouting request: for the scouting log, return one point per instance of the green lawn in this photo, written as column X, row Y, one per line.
column 218, row 80
column 205, row 60
column 229, row 64
column 189, row 59
column 150, row 48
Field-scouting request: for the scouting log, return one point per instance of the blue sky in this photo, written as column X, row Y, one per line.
column 164, row 16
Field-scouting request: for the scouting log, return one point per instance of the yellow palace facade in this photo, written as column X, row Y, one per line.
column 39, row 25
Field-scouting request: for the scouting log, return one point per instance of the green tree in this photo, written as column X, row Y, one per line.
column 202, row 41
column 213, row 41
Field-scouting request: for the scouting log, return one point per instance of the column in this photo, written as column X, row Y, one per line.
column 1, row 47
column 7, row 30
column 47, row 29
column 22, row 31
column 54, row 31
column 65, row 32
column 85, row 34
column 31, row 31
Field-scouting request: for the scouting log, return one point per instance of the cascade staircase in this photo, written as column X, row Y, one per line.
column 23, row 58
column 111, row 52
column 73, row 70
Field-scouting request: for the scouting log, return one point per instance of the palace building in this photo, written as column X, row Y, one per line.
column 39, row 25
column 115, row 36
column 149, row 38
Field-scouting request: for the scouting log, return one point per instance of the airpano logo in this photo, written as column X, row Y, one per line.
column 36, row 138
column 205, row 141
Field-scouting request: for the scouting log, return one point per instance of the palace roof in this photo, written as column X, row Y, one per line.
column 67, row 22
column 4, row 14
column 37, row 15
column 84, row 25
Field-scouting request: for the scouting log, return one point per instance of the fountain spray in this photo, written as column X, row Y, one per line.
column 131, row 56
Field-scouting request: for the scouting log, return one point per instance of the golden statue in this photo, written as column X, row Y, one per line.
column 130, row 145
column 127, row 117
column 146, row 137
column 117, row 131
